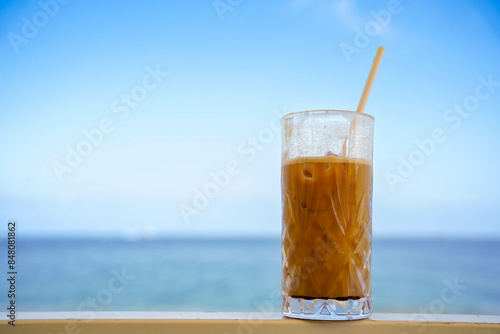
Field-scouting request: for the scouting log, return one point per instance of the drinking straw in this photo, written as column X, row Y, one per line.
column 371, row 79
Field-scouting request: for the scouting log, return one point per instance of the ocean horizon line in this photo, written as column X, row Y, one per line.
column 231, row 237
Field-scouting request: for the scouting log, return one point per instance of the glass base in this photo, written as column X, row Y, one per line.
column 327, row 309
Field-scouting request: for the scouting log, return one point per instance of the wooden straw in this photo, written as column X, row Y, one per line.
column 371, row 79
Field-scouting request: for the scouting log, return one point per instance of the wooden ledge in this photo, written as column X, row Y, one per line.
column 241, row 323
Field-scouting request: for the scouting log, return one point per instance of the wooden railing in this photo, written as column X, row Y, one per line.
column 241, row 323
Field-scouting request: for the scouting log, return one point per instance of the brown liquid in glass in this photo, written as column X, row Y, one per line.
column 326, row 237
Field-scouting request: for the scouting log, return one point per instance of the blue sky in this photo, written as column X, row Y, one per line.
column 227, row 79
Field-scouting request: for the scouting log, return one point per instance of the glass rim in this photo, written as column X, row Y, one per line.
column 325, row 111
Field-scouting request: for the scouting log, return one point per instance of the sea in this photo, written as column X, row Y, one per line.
column 409, row 276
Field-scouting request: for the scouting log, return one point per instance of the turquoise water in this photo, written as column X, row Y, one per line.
column 243, row 275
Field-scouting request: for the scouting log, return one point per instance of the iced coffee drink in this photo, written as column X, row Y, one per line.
column 327, row 219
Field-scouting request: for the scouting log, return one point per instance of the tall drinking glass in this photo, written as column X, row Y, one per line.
column 326, row 240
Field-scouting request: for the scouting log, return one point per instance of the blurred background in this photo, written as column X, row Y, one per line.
column 141, row 140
